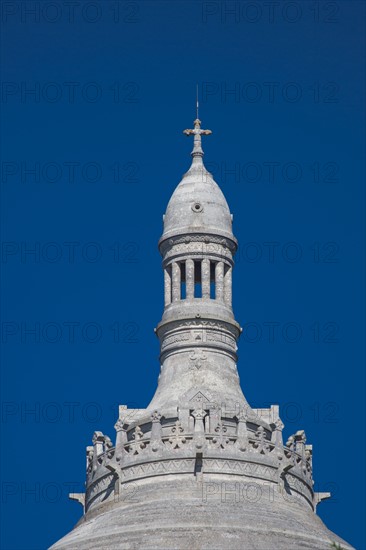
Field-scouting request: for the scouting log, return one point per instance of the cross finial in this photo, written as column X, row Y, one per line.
column 197, row 132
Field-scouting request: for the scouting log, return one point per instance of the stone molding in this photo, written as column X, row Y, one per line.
column 218, row 336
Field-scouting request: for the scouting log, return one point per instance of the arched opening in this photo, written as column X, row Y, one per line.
column 212, row 280
column 197, row 279
column 183, row 288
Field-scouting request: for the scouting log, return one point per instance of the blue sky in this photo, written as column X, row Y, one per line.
column 94, row 102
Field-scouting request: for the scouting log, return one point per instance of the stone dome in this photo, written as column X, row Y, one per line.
column 199, row 468
column 197, row 205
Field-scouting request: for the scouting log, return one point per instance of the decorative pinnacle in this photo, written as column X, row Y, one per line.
column 197, row 132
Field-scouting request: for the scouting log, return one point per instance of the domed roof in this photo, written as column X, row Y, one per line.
column 197, row 204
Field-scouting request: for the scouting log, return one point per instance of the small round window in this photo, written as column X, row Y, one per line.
column 197, row 207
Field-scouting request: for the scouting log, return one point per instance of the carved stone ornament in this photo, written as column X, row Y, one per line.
column 220, row 439
column 177, row 438
column 261, row 443
column 155, row 416
column 198, row 358
column 136, row 446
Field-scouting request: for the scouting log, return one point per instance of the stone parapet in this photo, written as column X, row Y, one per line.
column 199, row 442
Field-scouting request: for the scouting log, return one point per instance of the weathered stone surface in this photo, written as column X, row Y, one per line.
column 184, row 513
column 199, row 468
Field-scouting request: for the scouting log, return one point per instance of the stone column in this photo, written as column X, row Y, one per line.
column 205, row 278
column 309, row 454
column 89, row 458
column 167, row 287
column 228, row 287
column 189, row 279
column 98, row 440
column 300, row 440
column 219, row 281
column 156, row 431
column 199, row 427
column 176, row 281
column 242, row 431
column 277, row 433
column 98, row 448
column 121, row 440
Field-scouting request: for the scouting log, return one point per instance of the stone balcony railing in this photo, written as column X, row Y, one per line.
column 164, row 446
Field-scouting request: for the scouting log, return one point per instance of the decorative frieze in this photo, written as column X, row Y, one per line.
column 199, row 243
column 160, row 467
column 175, row 339
column 240, row 467
column 218, row 338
